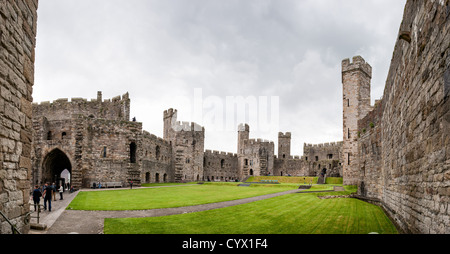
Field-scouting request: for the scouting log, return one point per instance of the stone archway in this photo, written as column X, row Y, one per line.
column 54, row 163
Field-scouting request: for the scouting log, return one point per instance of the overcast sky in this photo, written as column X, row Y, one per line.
column 197, row 56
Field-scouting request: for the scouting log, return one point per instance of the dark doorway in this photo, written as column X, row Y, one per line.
column 54, row 163
column 133, row 152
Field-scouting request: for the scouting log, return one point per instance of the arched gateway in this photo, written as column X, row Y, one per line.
column 54, row 163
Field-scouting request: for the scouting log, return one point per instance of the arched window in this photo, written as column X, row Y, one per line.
column 133, row 152
column 49, row 135
column 222, row 163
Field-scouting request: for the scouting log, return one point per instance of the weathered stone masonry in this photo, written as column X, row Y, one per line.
column 404, row 143
column 96, row 142
column 17, row 52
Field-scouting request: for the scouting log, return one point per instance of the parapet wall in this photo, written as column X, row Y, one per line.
column 414, row 138
column 214, row 153
column 117, row 108
column 329, row 144
column 358, row 63
column 284, row 135
column 257, row 141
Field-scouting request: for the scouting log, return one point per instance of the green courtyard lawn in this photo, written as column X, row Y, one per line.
column 165, row 197
column 298, row 213
column 287, row 214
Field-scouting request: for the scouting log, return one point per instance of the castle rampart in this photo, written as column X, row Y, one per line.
column 117, row 108
column 403, row 143
column 17, row 39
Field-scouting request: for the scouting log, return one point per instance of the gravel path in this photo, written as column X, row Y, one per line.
column 61, row 221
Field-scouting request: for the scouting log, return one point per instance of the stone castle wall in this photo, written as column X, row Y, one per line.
column 155, row 155
column 292, row 166
column 188, row 141
column 96, row 149
column 18, row 39
column 117, row 108
column 369, row 147
column 407, row 152
column 323, row 156
column 220, row 166
column 257, row 157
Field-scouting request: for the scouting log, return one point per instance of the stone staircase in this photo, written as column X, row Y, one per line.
column 134, row 174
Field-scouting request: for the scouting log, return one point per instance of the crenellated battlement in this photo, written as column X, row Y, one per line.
column 117, row 108
column 78, row 100
column 243, row 127
column 330, row 144
column 169, row 113
column 257, row 141
column 358, row 63
column 187, row 126
column 215, row 153
column 284, row 135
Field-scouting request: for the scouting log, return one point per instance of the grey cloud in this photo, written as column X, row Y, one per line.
column 157, row 49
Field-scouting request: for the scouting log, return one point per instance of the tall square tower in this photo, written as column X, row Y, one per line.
column 356, row 76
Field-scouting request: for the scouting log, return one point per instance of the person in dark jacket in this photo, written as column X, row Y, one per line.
column 37, row 194
column 48, row 191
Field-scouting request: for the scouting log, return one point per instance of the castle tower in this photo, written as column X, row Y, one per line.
column 356, row 78
column 243, row 134
column 284, row 145
column 99, row 96
column 169, row 118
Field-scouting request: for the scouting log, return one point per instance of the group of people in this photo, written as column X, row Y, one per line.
column 48, row 192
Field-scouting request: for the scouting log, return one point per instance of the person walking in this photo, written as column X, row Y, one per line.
column 131, row 184
column 54, row 191
column 61, row 190
column 37, row 194
column 48, row 197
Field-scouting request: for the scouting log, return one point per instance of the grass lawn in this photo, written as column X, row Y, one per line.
column 174, row 196
column 288, row 214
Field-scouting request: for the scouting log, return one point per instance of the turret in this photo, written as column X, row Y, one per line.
column 284, row 145
column 169, row 118
column 356, row 76
column 243, row 134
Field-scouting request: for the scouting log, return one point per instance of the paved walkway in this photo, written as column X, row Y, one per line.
column 61, row 221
